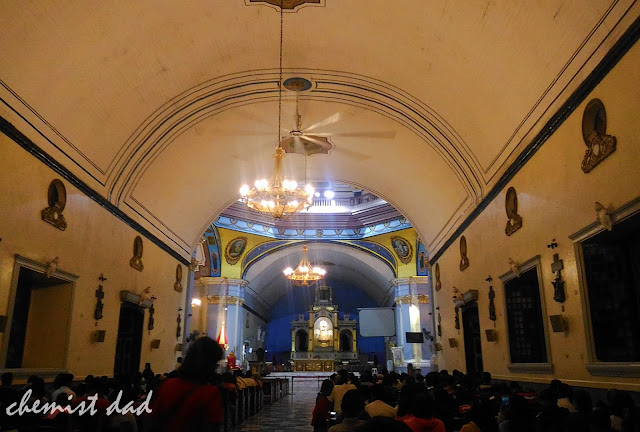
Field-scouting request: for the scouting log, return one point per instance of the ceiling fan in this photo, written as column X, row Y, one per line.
column 305, row 142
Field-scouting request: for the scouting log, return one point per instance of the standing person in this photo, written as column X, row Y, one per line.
column 189, row 402
column 320, row 417
column 342, row 386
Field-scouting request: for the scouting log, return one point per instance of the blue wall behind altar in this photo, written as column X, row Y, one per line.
column 299, row 301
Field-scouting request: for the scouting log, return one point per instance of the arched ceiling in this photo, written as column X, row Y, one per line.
column 165, row 109
column 351, row 267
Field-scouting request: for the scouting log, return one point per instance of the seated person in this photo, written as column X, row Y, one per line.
column 352, row 406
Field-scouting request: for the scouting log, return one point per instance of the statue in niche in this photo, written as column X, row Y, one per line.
column 492, row 306
column 57, row 198
column 136, row 260
column 511, row 206
column 178, row 285
column 464, row 260
column 594, row 128
column 437, row 272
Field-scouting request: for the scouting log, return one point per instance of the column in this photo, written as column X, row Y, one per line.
column 225, row 298
column 413, row 313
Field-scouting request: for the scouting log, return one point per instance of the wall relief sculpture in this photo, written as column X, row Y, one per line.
column 464, row 260
column 136, row 260
column 511, row 206
column 178, row 285
column 403, row 249
column 57, row 198
column 594, row 132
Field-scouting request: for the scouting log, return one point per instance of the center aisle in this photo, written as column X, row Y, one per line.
column 289, row 414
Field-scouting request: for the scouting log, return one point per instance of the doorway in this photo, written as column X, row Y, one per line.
column 472, row 338
column 129, row 342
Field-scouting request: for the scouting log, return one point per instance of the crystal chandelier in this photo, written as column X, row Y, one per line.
column 278, row 197
column 305, row 274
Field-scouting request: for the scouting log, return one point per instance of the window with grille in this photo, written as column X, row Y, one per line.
column 524, row 318
column 611, row 262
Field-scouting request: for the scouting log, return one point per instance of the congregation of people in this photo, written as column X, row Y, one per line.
column 443, row 402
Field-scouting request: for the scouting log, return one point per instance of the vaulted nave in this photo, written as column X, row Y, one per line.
column 419, row 193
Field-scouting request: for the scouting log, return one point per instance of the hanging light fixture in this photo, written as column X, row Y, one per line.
column 305, row 274
column 278, row 196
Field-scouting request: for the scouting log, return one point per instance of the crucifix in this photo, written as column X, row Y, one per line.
column 558, row 284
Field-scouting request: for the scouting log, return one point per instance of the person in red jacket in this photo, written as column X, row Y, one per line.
column 189, row 402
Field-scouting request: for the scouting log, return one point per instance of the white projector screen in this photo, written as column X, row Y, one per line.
column 377, row 322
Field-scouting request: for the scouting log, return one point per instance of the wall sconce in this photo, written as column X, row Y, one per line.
column 559, row 323
column 491, row 335
column 453, row 342
column 196, row 302
column 98, row 335
column 155, row 344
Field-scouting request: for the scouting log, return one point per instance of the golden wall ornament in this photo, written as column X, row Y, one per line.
column 594, row 128
column 234, row 250
column 178, row 285
column 403, row 249
column 57, row 198
column 511, row 206
column 136, row 260
column 464, row 260
column 437, row 273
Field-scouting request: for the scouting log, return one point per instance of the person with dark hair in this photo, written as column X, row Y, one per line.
column 375, row 404
column 352, row 406
column 422, row 419
column 383, row 424
column 189, row 402
column 514, row 416
column 321, row 415
column 551, row 418
column 580, row 418
column 341, row 387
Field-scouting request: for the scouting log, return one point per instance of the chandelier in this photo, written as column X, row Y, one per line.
column 278, row 197
column 305, row 274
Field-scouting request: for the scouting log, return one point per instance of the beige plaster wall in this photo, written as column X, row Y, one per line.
column 556, row 199
column 94, row 242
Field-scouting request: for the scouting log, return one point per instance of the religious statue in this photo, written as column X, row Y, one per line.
column 558, row 284
column 511, row 206
column 492, row 306
column 151, row 319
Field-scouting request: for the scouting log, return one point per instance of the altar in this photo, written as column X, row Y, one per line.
column 321, row 340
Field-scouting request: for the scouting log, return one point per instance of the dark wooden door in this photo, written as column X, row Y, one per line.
column 129, row 342
column 472, row 338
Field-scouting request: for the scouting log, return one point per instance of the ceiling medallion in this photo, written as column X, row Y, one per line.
column 287, row 4
column 305, row 274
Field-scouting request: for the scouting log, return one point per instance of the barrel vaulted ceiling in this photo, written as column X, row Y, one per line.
column 166, row 108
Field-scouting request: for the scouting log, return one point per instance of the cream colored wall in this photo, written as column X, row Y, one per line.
column 47, row 327
column 94, row 242
column 555, row 200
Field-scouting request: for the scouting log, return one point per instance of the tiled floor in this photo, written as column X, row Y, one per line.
column 292, row 413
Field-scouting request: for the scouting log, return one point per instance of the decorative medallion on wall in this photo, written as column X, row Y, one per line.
column 178, row 285
column 234, row 250
column 287, row 4
column 57, row 197
column 437, row 274
column 594, row 132
column 464, row 260
column 511, row 206
column 403, row 249
column 136, row 260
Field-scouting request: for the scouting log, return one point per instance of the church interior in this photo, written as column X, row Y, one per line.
column 321, row 185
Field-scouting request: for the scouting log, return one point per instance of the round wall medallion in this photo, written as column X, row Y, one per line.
column 297, row 84
column 594, row 119
column 57, row 195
